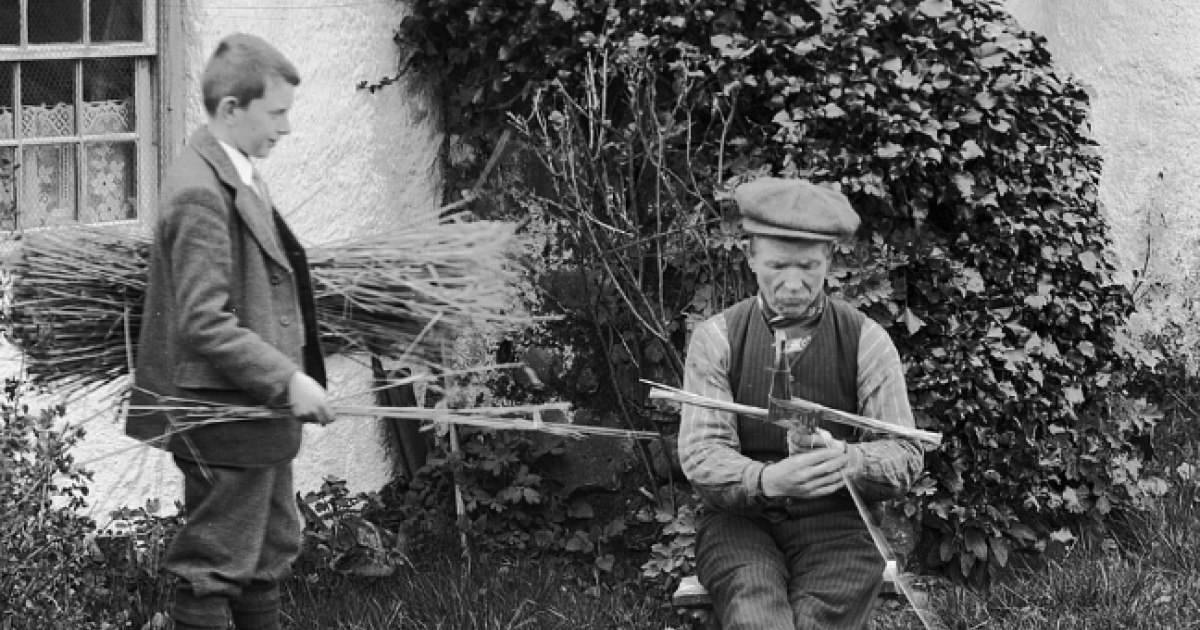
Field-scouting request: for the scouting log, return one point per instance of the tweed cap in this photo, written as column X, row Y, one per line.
column 794, row 208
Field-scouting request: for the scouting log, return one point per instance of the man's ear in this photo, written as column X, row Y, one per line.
column 226, row 106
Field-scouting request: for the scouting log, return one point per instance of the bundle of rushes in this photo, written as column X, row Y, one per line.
column 77, row 295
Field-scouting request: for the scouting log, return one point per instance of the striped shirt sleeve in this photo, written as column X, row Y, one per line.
column 709, row 450
column 889, row 466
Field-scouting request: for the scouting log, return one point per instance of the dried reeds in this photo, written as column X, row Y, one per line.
column 665, row 392
column 191, row 414
column 77, row 294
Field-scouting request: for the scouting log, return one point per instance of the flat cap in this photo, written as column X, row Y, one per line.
column 794, row 208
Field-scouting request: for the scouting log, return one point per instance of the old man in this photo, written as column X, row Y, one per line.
column 780, row 543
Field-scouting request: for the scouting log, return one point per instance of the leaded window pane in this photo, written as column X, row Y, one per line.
column 55, row 21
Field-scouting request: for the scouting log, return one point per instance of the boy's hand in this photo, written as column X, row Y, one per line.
column 308, row 400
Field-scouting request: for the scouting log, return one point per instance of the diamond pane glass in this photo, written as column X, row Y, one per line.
column 47, row 99
column 48, row 186
column 6, row 100
column 111, row 184
column 55, row 21
column 10, row 22
column 8, row 189
column 116, row 20
column 107, row 96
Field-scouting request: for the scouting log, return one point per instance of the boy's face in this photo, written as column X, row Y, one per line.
column 257, row 126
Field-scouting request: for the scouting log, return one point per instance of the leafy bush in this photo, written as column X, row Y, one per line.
column 507, row 502
column 983, row 249
column 674, row 558
column 128, row 559
column 45, row 573
column 339, row 535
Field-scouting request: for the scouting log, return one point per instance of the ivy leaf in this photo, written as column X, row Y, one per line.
column 1089, row 261
column 891, row 150
column 912, row 322
column 1074, row 395
column 934, row 8
column 965, row 184
column 564, row 8
column 728, row 46
column 999, row 550
column 1063, row 536
column 1071, row 498
column 1022, row 532
column 908, row 81
column 971, row 150
column 994, row 61
column 581, row 509
column 637, row 41
column 576, row 543
column 976, row 544
column 833, row 111
column 615, row 528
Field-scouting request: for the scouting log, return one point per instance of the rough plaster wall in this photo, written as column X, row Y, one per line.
column 356, row 163
column 1142, row 63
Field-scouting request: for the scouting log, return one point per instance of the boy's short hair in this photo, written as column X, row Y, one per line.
column 240, row 67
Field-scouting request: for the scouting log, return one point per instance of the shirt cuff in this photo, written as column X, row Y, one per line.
column 854, row 469
column 752, row 479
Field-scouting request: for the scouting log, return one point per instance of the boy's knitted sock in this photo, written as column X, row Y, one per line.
column 190, row 612
column 257, row 608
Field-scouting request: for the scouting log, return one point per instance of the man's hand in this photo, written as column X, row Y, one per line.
column 816, row 473
column 308, row 400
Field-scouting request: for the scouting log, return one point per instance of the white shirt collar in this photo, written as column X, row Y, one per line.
column 242, row 164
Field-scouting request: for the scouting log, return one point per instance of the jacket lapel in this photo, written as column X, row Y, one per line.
column 252, row 210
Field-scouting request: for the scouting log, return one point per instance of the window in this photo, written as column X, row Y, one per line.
column 77, row 131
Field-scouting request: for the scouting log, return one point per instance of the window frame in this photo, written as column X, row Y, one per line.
column 148, row 118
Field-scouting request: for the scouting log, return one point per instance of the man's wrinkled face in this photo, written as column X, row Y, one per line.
column 790, row 273
column 256, row 126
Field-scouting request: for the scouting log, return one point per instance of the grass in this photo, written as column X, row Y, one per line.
column 446, row 593
column 1145, row 577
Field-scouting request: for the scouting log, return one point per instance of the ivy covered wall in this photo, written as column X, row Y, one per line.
column 1139, row 60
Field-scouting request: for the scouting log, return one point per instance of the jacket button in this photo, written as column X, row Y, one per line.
column 285, row 321
column 275, row 278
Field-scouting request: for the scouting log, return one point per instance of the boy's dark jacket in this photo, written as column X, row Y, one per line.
column 224, row 318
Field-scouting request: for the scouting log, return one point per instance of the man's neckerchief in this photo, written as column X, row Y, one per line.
column 805, row 321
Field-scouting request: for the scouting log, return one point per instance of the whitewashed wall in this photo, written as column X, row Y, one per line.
column 356, row 163
column 1141, row 60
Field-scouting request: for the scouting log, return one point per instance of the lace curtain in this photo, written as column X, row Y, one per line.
column 70, row 174
column 49, row 171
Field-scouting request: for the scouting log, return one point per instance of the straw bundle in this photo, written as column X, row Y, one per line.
column 77, row 294
column 394, row 294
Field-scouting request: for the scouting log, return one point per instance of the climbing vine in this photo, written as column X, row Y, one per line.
column 983, row 251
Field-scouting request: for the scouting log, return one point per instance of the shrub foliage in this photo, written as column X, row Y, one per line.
column 43, row 541
column 983, row 249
